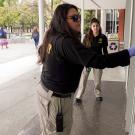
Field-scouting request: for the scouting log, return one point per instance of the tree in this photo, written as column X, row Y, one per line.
column 8, row 18
column 28, row 15
column 2, row 3
column 88, row 15
column 56, row 3
column 14, row 15
column 50, row 7
column 8, row 13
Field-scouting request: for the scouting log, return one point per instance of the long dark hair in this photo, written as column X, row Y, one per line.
column 90, row 32
column 35, row 30
column 57, row 26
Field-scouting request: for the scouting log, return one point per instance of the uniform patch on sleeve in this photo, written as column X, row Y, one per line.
column 100, row 40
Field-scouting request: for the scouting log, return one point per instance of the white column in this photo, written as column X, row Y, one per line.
column 41, row 20
column 110, row 20
column 82, row 19
column 116, row 14
column 103, row 21
column 113, row 17
column 96, row 11
column 130, row 86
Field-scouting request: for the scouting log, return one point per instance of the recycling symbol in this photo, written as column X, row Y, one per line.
column 113, row 46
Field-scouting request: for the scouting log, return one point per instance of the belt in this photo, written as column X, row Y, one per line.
column 61, row 95
column 56, row 94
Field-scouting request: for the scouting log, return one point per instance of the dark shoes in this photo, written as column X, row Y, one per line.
column 78, row 101
column 99, row 98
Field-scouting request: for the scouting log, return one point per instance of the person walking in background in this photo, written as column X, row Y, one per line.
column 63, row 58
column 3, row 38
column 35, row 36
column 98, row 42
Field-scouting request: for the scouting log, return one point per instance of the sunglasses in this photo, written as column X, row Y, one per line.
column 75, row 18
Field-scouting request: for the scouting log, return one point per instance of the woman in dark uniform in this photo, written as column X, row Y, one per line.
column 63, row 58
column 98, row 42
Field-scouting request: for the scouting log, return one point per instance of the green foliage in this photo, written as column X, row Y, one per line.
column 28, row 15
column 10, row 18
column 2, row 3
column 56, row 3
column 8, row 13
column 14, row 15
column 10, row 3
column 49, row 10
column 88, row 15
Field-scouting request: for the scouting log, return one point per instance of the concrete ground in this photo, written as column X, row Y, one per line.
column 92, row 117
column 19, row 77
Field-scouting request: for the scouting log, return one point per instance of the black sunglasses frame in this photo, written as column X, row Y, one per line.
column 75, row 18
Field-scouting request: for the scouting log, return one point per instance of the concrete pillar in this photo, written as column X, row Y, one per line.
column 103, row 21
column 41, row 20
column 96, row 12
column 129, row 39
column 82, row 19
column 115, row 21
column 113, row 17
